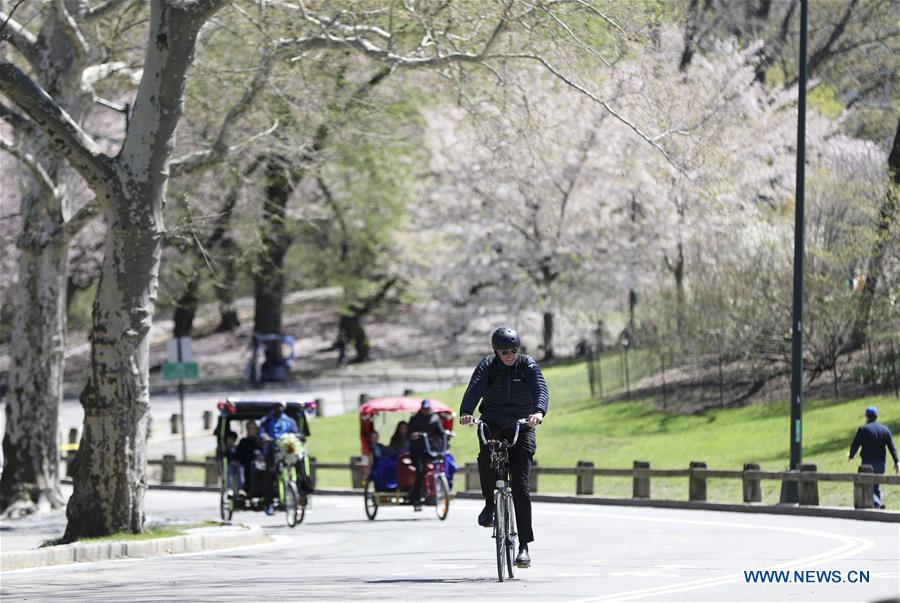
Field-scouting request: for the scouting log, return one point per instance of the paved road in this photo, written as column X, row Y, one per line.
column 583, row 553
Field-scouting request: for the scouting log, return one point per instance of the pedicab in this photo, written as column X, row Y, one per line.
column 392, row 473
column 285, row 461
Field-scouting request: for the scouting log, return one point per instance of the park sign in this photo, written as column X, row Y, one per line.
column 179, row 365
column 177, row 371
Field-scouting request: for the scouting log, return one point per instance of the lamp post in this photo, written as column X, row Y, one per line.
column 789, row 494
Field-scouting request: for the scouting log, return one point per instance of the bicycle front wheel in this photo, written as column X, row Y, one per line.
column 510, row 527
column 500, row 534
column 290, row 502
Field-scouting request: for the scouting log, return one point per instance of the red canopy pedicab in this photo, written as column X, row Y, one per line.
column 392, row 473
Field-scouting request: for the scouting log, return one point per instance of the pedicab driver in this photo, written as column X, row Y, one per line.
column 510, row 386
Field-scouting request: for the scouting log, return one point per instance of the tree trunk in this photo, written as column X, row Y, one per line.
column 110, row 475
column 351, row 326
column 677, row 270
column 270, row 277
column 226, row 286
column 30, row 479
column 186, row 308
column 884, row 231
column 548, row 335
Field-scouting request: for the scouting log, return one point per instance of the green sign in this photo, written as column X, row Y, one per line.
column 178, row 371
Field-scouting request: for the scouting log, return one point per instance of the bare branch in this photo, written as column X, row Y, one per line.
column 350, row 38
column 22, row 39
column 221, row 147
column 192, row 162
column 64, row 133
column 73, row 33
column 29, row 161
column 81, row 218
column 651, row 140
column 102, row 10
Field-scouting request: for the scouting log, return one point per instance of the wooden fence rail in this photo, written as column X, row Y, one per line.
column 585, row 473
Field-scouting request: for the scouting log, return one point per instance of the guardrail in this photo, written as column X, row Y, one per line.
column 808, row 478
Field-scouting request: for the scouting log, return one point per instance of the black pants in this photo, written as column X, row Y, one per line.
column 419, row 459
column 520, row 458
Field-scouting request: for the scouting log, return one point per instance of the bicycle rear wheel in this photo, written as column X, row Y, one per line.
column 500, row 533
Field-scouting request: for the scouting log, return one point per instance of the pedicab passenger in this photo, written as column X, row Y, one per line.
column 400, row 440
column 252, row 458
column 235, row 479
column 273, row 426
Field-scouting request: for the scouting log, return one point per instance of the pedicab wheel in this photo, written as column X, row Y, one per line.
column 290, row 503
column 510, row 540
column 226, row 505
column 441, row 497
column 500, row 537
column 301, row 513
column 371, row 502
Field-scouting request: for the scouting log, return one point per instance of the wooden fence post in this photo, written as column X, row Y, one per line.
column 312, row 471
column 533, row 477
column 211, row 469
column 697, row 483
column 808, row 490
column 73, row 435
column 207, row 419
column 363, row 398
column 168, row 469
column 175, row 423
column 584, row 482
column 641, row 480
column 863, row 493
column 473, row 484
column 359, row 468
column 320, row 404
column 407, row 392
column 752, row 489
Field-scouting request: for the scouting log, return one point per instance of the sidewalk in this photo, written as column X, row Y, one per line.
column 194, row 540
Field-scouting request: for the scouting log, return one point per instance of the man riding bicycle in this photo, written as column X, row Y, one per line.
column 510, row 386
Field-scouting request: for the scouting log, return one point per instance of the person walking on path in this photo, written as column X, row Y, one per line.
column 873, row 438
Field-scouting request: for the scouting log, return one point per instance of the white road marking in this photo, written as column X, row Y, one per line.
column 850, row 546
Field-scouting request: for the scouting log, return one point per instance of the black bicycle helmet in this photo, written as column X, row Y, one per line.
column 505, row 338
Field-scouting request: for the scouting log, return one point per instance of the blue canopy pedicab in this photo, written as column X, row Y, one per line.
column 273, row 473
column 392, row 473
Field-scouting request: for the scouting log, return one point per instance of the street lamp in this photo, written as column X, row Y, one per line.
column 789, row 492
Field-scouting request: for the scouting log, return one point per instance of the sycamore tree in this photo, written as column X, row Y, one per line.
column 68, row 67
column 130, row 185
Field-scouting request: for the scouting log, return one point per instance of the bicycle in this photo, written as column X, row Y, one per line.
column 504, row 516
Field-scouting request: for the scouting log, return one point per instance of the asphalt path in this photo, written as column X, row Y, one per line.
column 582, row 553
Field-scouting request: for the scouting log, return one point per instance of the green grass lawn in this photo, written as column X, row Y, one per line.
column 614, row 434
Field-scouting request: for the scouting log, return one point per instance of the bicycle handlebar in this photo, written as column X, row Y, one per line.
column 480, row 423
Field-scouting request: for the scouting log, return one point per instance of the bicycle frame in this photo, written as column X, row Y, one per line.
column 504, row 515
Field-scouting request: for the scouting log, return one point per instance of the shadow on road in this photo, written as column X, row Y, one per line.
column 461, row 580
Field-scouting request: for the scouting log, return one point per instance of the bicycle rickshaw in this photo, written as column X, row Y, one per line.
column 287, row 457
column 392, row 474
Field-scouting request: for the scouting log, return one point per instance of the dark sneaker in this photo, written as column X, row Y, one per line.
column 417, row 507
column 522, row 559
column 270, row 509
column 486, row 517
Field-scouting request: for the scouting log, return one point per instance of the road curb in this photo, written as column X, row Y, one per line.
column 79, row 552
